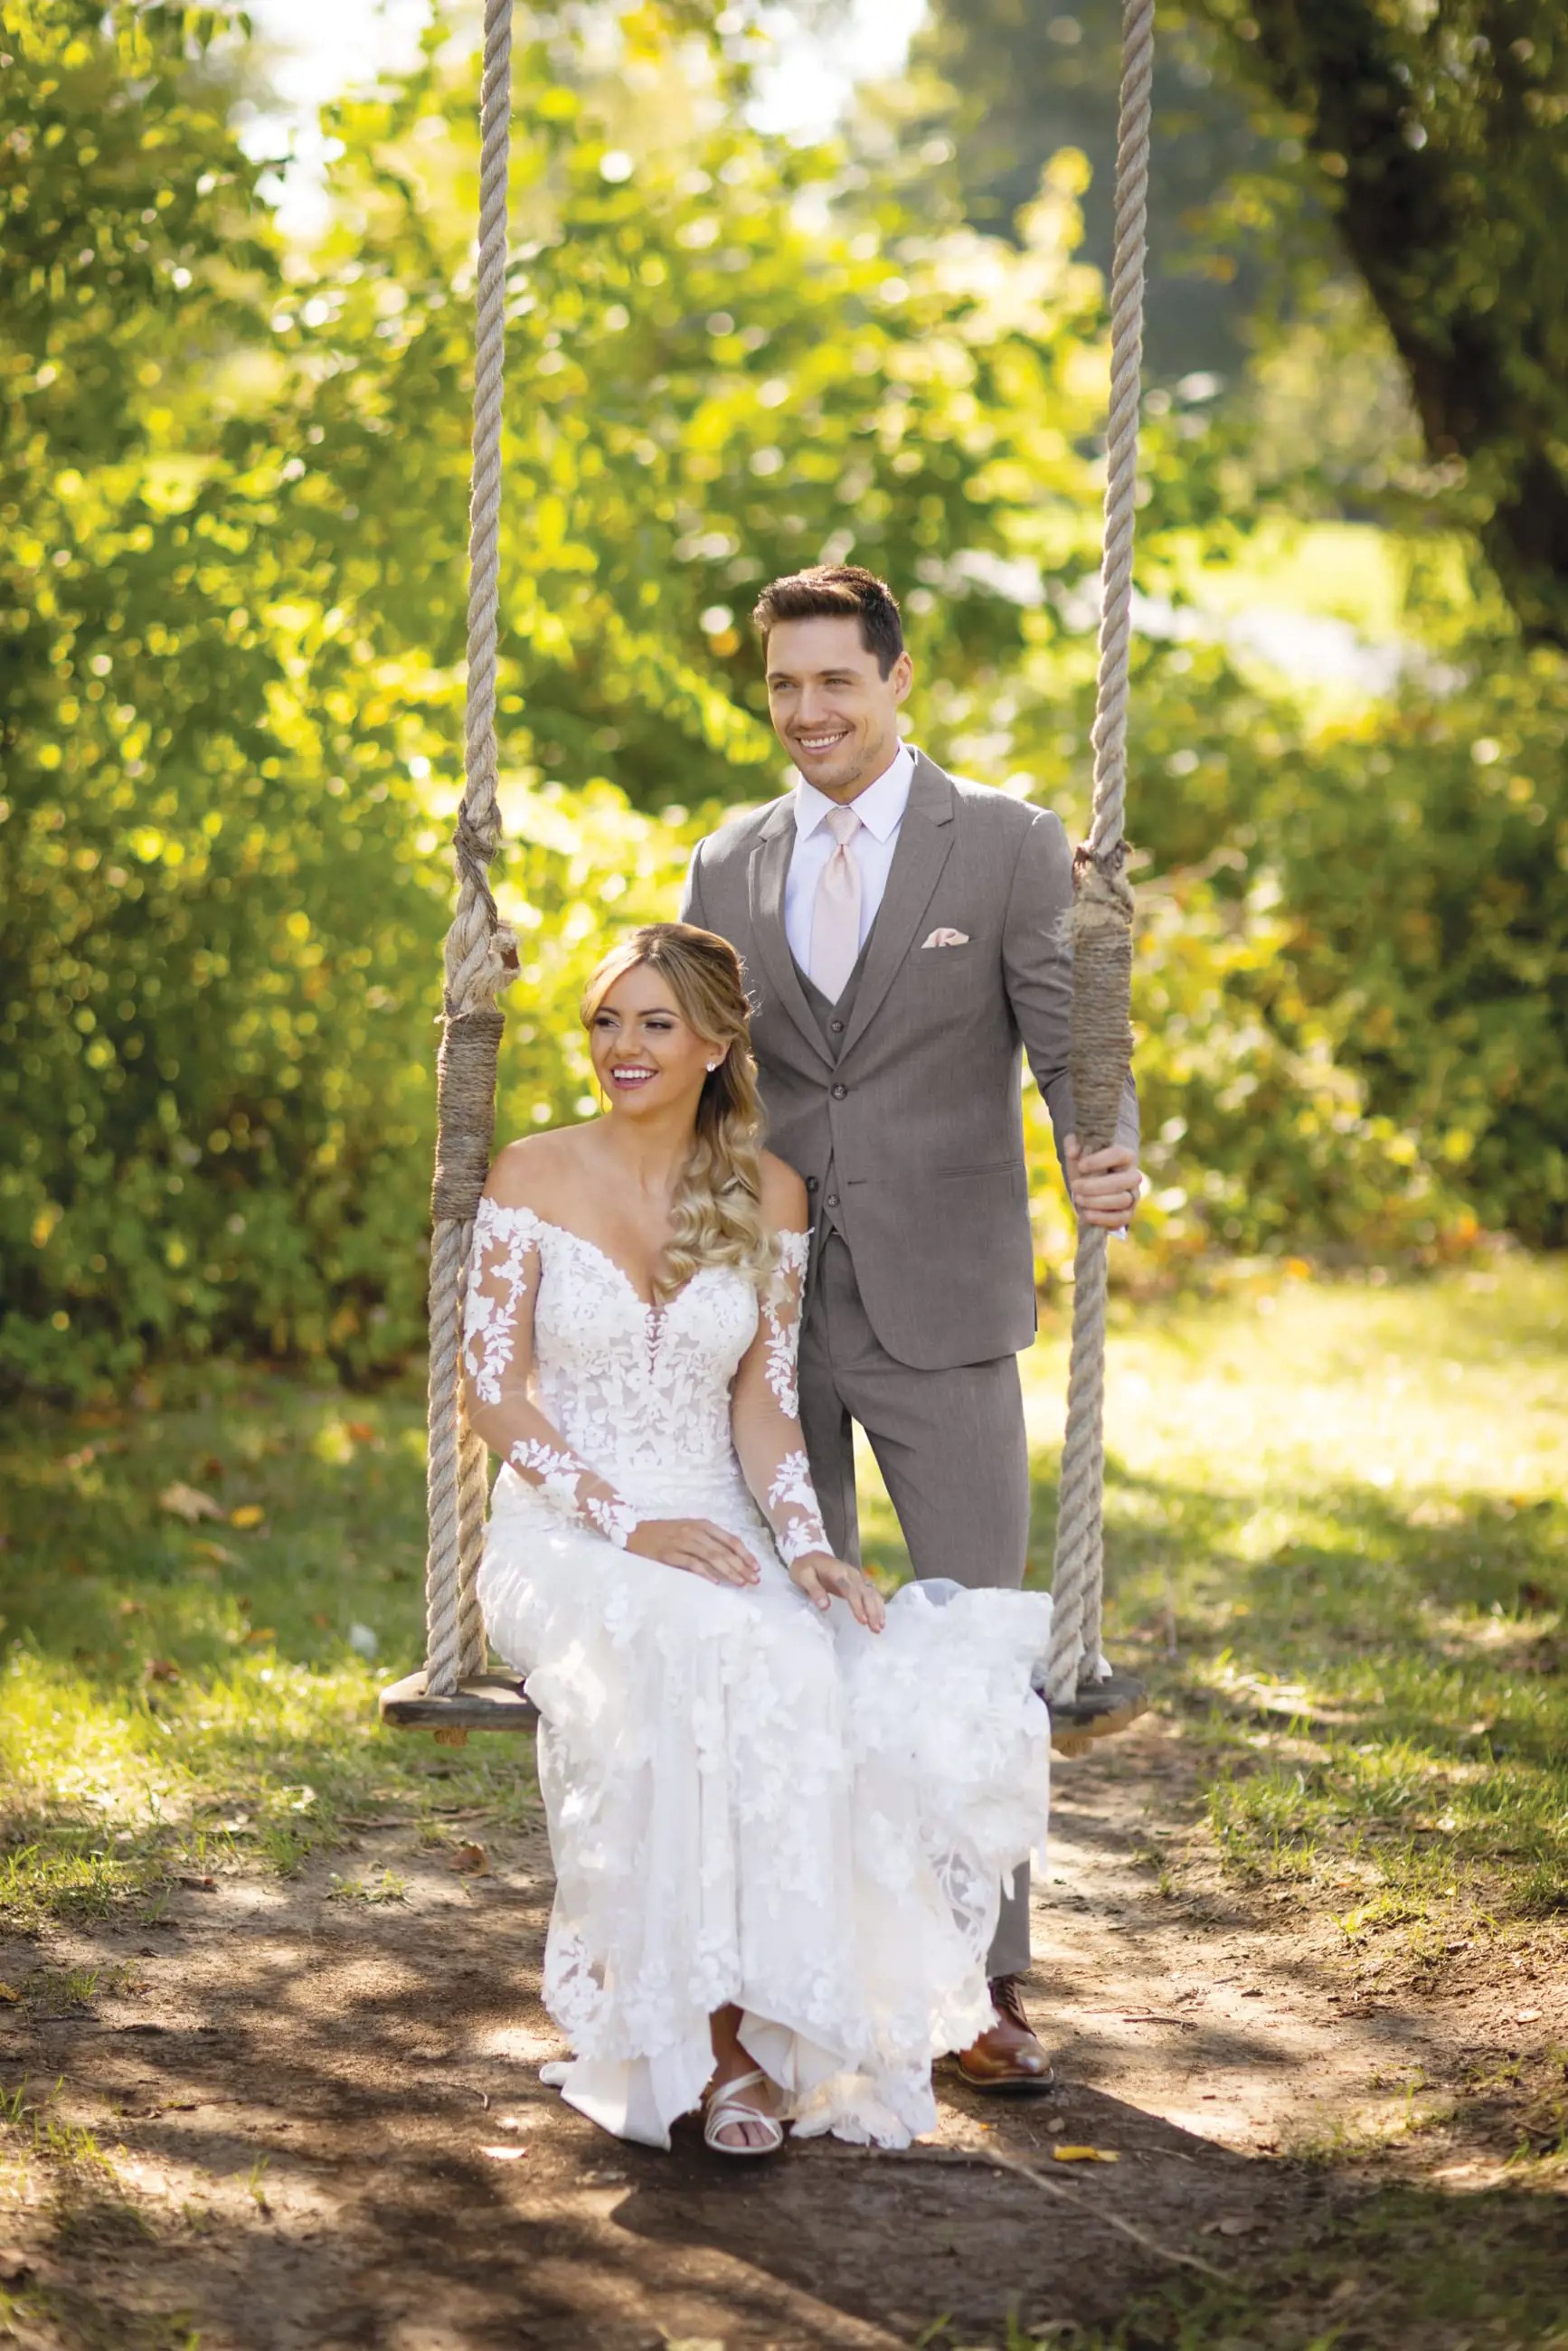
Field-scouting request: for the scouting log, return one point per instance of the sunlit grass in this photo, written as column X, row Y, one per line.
column 182, row 1694
column 1336, row 1537
column 1338, row 1548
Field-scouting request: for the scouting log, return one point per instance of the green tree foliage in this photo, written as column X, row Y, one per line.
column 711, row 379
column 1421, row 146
column 201, row 1062
column 233, row 485
column 1438, row 137
column 234, row 493
column 1005, row 85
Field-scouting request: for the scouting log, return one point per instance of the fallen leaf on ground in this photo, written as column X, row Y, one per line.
column 249, row 1514
column 1527, row 2016
column 219, row 1553
column 201, row 1885
column 361, row 1431
column 162, row 1669
column 1085, row 2155
column 471, row 1860
column 504, row 2154
column 1231, row 2224
column 188, row 1502
column 7, row 1995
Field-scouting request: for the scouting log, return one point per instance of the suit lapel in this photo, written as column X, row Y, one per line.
column 764, row 880
column 924, row 844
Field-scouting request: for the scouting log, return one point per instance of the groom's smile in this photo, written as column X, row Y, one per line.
column 833, row 709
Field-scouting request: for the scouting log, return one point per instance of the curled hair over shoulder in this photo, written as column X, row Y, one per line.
column 715, row 1216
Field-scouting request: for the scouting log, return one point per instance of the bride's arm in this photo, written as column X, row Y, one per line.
column 765, row 1419
column 497, row 1363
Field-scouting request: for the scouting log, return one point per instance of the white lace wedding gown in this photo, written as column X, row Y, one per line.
column 748, row 1800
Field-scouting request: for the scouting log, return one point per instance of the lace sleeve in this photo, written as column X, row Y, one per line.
column 497, row 1363
column 766, row 1412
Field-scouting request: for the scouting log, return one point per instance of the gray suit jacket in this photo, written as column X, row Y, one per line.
column 920, row 1112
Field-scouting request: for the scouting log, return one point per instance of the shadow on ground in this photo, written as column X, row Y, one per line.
column 326, row 2130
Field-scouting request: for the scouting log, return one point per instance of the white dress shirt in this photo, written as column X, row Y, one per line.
column 880, row 809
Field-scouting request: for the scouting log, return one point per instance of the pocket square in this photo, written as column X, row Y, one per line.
column 945, row 938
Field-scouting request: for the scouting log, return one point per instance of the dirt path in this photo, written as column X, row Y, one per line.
column 323, row 2126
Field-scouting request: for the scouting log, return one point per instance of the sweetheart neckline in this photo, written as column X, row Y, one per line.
column 647, row 1304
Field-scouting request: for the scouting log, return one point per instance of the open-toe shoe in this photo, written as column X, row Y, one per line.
column 724, row 2108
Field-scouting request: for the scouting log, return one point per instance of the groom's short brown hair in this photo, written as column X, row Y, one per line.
column 830, row 591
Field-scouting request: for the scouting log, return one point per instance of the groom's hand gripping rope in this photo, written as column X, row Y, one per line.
column 1105, row 1185
column 823, row 1579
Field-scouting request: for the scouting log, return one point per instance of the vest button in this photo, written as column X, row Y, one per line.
column 833, row 1200
column 837, row 1027
column 839, row 1093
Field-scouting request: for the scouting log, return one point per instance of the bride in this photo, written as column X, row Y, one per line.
column 779, row 1811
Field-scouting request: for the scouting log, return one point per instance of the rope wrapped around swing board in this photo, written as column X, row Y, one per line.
column 479, row 951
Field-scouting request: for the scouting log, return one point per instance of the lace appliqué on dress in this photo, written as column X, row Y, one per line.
column 781, row 1322
column 792, row 1510
column 497, row 1358
column 767, row 1411
column 498, row 1283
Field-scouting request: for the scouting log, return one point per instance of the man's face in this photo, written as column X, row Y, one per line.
column 832, row 707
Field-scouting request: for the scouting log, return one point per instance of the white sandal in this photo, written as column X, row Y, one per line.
column 726, row 2106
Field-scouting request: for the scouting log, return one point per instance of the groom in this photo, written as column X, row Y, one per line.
column 899, row 930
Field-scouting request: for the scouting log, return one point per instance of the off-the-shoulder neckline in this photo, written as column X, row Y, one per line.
column 499, row 1208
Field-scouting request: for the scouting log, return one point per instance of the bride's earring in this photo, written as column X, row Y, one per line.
column 711, row 1068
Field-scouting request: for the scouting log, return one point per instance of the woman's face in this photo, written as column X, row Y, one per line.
column 646, row 1055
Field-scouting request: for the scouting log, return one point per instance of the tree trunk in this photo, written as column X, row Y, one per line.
column 1440, row 130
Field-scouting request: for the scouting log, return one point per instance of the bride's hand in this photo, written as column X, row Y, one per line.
column 821, row 1578
column 697, row 1546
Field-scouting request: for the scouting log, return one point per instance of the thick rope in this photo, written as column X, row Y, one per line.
column 479, row 951
column 1101, row 919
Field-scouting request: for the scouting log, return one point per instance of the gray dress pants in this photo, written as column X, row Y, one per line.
column 953, row 1453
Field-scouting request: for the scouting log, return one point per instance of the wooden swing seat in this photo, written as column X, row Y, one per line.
column 496, row 1702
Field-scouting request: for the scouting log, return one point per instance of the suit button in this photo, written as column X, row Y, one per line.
column 810, row 1183
column 837, row 1027
column 833, row 1200
column 839, row 1093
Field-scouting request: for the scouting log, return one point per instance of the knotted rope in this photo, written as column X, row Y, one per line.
column 1100, row 925
column 479, row 950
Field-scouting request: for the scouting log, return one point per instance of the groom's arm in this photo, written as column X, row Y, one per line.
column 692, row 907
column 1037, row 968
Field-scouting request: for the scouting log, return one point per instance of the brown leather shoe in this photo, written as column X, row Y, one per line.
column 1007, row 2059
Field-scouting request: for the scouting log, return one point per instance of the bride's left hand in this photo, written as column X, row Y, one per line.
column 822, row 1578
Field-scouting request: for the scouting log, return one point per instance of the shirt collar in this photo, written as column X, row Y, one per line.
column 880, row 807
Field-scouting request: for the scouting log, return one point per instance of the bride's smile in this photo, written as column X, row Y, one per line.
column 646, row 1056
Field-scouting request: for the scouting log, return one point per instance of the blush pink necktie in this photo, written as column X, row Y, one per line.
column 836, row 910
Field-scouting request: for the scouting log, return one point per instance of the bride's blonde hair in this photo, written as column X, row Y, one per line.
column 715, row 1216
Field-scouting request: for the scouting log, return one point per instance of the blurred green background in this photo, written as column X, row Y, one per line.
column 232, row 492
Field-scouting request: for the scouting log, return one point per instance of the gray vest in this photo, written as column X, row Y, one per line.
column 833, row 1020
